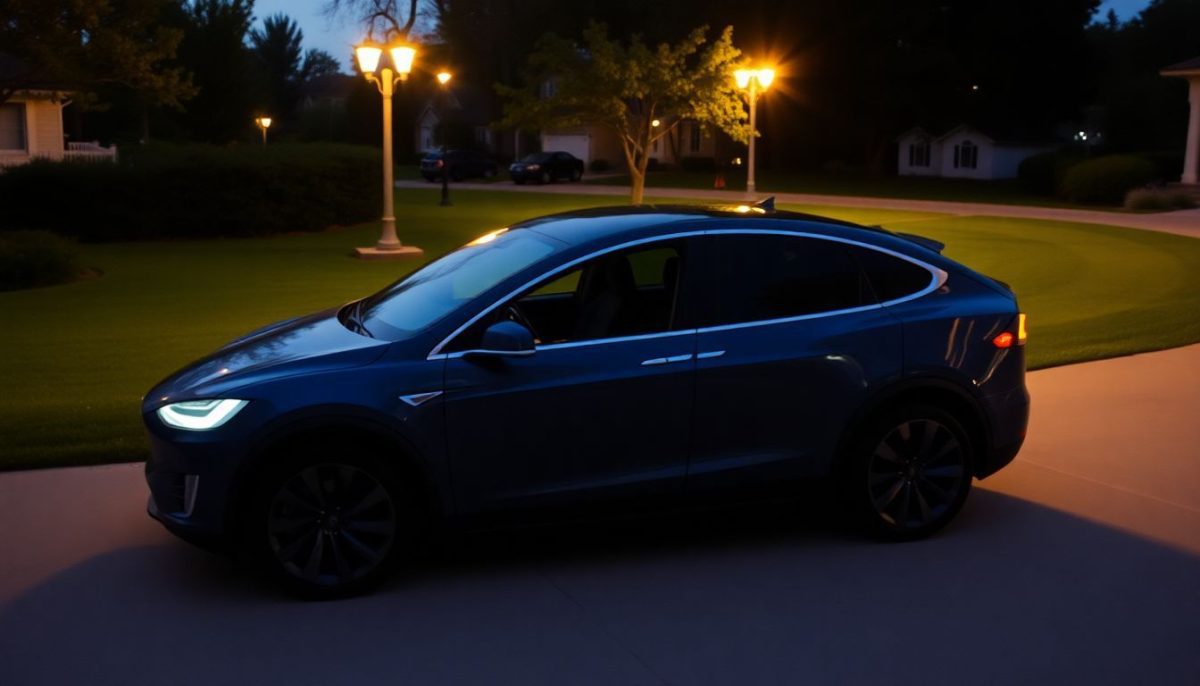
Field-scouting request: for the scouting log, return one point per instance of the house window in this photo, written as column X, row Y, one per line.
column 695, row 138
column 12, row 127
column 918, row 154
column 966, row 155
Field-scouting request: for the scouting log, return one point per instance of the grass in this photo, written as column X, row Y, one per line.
column 75, row 359
column 1000, row 192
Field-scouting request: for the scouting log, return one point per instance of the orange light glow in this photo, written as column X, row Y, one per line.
column 487, row 237
column 1004, row 340
column 1021, row 329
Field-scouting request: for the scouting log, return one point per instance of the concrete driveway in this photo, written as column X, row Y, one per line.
column 1080, row 563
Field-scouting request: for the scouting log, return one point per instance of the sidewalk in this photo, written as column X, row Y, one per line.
column 1182, row 222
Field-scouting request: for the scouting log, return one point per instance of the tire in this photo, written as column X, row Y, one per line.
column 331, row 524
column 489, row 173
column 907, row 473
column 576, row 175
column 544, row 178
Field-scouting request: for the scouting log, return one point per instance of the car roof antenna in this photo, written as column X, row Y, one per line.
column 766, row 204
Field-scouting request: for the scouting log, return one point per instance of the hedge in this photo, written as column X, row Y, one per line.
column 1158, row 199
column 1107, row 179
column 169, row 191
column 36, row 258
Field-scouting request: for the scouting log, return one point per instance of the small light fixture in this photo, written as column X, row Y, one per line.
column 444, row 77
column 656, row 123
column 368, row 55
column 402, row 59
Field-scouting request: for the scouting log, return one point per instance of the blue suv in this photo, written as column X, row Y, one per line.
column 593, row 359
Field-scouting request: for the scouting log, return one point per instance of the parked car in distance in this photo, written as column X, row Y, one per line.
column 546, row 167
column 590, row 360
column 458, row 164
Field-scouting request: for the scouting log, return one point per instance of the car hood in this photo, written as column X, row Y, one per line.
column 316, row 342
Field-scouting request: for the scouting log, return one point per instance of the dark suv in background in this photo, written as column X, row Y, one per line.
column 458, row 165
column 546, row 167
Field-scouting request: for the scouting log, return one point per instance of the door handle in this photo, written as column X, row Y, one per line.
column 666, row 360
column 710, row 354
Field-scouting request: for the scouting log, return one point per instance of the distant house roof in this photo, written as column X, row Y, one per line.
column 919, row 132
column 1184, row 68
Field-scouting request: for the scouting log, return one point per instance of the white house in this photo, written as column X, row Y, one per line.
column 963, row 152
column 1190, row 70
column 31, row 127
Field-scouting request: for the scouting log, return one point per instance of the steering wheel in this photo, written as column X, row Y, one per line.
column 514, row 313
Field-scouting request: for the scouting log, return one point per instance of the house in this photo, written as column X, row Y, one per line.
column 31, row 123
column 962, row 152
column 1190, row 70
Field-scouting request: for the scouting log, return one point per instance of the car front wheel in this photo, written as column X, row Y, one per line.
column 909, row 473
column 331, row 526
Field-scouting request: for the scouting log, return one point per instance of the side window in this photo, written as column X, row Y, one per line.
column 627, row 293
column 891, row 277
column 763, row 277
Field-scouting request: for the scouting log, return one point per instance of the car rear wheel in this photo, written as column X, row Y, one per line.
column 909, row 473
column 544, row 178
column 331, row 525
column 576, row 175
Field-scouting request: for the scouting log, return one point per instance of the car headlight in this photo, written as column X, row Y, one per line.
column 534, row 167
column 200, row 415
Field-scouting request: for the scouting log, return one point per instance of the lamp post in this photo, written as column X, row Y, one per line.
column 443, row 78
column 263, row 124
column 368, row 55
column 753, row 81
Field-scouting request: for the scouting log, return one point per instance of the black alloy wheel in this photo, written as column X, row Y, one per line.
column 910, row 474
column 332, row 527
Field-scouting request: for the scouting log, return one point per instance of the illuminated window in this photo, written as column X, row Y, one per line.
column 966, row 155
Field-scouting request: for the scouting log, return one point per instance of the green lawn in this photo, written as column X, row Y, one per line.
column 75, row 359
column 1002, row 192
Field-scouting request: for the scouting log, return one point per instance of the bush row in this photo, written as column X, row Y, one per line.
column 166, row 191
column 1104, row 180
column 36, row 258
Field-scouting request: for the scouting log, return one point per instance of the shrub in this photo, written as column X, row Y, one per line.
column 197, row 191
column 698, row 164
column 36, row 258
column 599, row 165
column 1107, row 179
column 1158, row 199
column 1043, row 173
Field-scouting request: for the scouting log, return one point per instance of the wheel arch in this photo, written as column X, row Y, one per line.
column 304, row 429
column 941, row 392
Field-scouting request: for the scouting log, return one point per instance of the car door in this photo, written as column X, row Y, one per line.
column 603, row 407
column 789, row 347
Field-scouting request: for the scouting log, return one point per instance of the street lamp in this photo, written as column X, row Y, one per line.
column 753, row 81
column 263, row 124
column 385, row 79
column 443, row 78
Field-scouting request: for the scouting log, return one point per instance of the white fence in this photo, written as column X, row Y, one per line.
column 90, row 151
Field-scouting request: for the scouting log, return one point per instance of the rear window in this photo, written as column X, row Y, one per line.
column 764, row 277
column 891, row 277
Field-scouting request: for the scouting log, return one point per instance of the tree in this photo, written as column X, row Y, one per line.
column 317, row 62
column 388, row 16
column 214, row 50
column 626, row 88
column 89, row 45
column 278, row 47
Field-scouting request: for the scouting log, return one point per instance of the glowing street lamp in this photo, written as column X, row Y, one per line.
column 385, row 78
column 263, row 123
column 443, row 78
column 753, row 81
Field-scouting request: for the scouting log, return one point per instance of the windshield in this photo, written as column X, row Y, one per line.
column 442, row 286
column 536, row 157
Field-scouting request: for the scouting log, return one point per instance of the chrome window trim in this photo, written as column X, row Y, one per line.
column 938, row 279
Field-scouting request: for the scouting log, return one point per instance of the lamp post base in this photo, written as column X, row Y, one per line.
column 403, row 252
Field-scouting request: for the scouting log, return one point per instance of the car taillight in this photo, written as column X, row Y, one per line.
column 439, row 164
column 1006, row 339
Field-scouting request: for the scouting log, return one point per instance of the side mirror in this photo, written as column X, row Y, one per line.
column 505, row 339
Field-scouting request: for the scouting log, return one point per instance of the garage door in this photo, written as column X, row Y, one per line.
column 576, row 144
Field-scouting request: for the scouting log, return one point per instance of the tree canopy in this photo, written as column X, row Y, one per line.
column 627, row 87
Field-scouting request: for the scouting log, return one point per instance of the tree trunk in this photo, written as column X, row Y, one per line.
column 637, row 186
